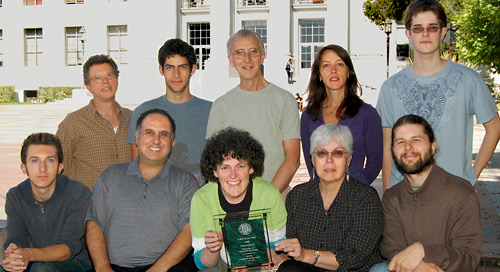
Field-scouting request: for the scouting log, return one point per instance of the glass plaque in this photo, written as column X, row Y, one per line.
column 246, row 239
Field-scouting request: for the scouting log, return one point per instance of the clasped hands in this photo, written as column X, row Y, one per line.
column 16, row 258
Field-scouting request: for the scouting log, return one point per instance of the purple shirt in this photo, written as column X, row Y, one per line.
column 366, row 129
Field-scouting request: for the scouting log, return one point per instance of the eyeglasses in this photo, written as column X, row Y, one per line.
column 252, row 52
column 430, row 29
column 337, row 153
column 100, row 78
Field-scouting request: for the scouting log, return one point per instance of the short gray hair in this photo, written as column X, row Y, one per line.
column 245, row 33
column 324, row 134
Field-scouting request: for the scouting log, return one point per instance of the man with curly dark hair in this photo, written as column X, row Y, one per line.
column 177, row 63
column 232, row 161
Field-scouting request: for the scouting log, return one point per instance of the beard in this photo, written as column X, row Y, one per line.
column 415, row 167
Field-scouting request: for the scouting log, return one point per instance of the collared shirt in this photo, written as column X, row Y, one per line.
column 351, row 228
column 90, row 143
column 141, row 218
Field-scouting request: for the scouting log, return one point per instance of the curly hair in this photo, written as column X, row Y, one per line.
column 233, row 143
column 174, row 47
column 98, row 59
column 349, row 107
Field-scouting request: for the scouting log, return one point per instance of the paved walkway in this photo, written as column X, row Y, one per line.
column 18, row 121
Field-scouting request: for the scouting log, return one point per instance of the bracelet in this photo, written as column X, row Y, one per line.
column 316, row 257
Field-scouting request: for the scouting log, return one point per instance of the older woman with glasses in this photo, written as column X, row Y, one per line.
column 233, row 162
column 334, row 221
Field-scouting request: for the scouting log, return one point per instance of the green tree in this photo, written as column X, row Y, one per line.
column 380, row 10
column 478, row 34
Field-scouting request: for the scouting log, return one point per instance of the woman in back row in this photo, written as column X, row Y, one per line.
column 333, row 99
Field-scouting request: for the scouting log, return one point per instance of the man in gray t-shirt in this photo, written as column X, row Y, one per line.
column 139, row 214
column 448, row 95
column 265, row 110
column 177, row 63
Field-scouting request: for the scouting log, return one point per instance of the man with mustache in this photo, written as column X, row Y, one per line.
column 432, row 218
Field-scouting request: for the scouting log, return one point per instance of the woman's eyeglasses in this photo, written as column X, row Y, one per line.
column 337, row 153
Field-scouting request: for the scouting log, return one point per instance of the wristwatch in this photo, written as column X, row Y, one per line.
column 316, row 257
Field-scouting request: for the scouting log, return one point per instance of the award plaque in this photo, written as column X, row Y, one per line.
column 246, row 239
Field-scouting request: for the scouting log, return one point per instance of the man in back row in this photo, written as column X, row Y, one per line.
column 177, row 63
column 448, row 95
column 93, row 137
column 268, row 112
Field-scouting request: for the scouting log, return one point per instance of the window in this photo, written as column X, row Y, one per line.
column 199, row 38
column 254, row 2
column 75, row 1
column 74, row 46
column 33, row 43
column 1, row 47
column 32, row 2
column 195, row 3
column 260, row 27
column 117, row 43
column 312, row 37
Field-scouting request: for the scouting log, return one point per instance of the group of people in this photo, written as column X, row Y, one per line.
column 160, row 175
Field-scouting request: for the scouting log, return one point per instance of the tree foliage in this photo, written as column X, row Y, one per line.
column 478, row 39
column 380, row 10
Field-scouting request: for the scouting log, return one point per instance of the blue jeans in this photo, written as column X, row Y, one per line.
column 290, row 77
column 380, row 267
column 73, row 265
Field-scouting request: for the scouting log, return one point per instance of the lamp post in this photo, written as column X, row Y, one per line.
column 81, row 32
column 388, row 31
column 453, row 38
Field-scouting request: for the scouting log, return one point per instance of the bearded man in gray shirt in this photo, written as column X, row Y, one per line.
column 138, row 219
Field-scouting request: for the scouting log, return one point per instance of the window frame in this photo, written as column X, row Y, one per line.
column 79, row 45
column 310, row 41
column 32, row 2
column 119, row 55
column 201, row 48
column 38, row 43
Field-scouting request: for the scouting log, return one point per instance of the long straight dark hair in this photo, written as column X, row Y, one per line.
column 316, row 92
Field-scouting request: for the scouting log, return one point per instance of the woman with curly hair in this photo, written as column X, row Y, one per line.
column 333, row 99
column 232, row 162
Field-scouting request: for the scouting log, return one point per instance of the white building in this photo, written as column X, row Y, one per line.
column 45, row 44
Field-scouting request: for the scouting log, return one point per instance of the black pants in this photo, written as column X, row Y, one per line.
column 186, row 265
column 296, row 266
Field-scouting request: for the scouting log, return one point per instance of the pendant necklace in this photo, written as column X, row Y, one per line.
column 332, row 110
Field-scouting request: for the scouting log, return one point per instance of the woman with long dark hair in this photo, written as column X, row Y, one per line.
column 333, row 99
